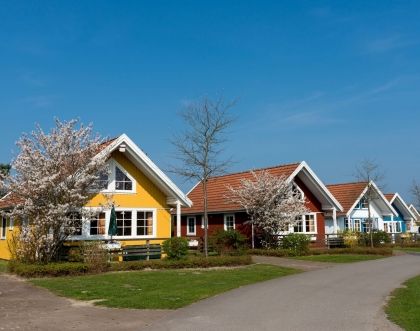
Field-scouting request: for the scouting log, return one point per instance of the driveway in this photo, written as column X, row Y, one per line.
column 343, row 297
column 26, row 307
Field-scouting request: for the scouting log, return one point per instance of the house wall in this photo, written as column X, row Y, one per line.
column 216, row 220
column 146, row 196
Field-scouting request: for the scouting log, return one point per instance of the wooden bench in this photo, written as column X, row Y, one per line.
column 142, row 252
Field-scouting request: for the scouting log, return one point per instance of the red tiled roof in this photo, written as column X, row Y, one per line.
column 347, row 193
column 9, row 201
column 217, row 189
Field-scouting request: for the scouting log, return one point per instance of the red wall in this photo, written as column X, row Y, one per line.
column 216, row 221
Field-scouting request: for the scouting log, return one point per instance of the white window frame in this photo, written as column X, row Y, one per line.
column 225, row 216
column 112, row 164
column 3, row 228
column 296, row 187
column 303, row 220
column 189, row 233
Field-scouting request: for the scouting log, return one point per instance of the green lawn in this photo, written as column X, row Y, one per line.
column 408, row 249
column 339, row 258
column 404, row 308
column 3, row 265
column 163, row 289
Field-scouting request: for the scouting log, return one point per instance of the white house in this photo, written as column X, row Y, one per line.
column 355, row 216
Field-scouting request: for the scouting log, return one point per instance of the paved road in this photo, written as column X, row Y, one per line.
column 25, row 307
column 291, row 263
column 344, row 297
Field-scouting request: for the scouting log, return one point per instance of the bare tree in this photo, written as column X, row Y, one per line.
column 270, row 201
column 415, row 191
column 199, row 147
column 368, row 171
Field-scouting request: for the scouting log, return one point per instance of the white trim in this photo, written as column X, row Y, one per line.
column 150, row 167
column 86, row 224
column 304, row 165
column 394, row 212
column 224, row 221
column 397, row 196
column 188, row 226
column 3, row 229
column 303, row 220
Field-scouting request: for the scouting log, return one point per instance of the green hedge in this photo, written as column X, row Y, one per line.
column 48, row 270
column 78, row 268
column 192, row 262
column 353, row 250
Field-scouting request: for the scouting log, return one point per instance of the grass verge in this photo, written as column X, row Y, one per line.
column 160, row 289
column 3, row 266
column 408, row 249
column 404, row 308
column 339, row 258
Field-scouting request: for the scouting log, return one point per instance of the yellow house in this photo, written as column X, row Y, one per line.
column 142, row 194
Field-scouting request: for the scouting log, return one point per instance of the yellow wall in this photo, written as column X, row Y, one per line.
column 147, row 196
column 4, row 243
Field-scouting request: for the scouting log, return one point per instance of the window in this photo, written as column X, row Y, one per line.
column 103, row 181
column 229, row 222
column 347, row 225
column 144, row 223
column 122, row 182
column 75, row 224
column 124, row 223
column 97, row 225
column 356, row 225
column 362, row 204
column 398, row 226
column 305, row 224
column 365, row 226
column 191, row 226
column 297, row 192
column 3, row 227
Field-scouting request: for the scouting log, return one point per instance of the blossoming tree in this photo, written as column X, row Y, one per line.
column 272, row 203
column 52, row 178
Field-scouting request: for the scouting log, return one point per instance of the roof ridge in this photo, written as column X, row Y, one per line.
column 257, row 169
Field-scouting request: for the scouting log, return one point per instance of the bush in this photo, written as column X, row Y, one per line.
column 353, row 250
column 192, row 262
column 379, row 238
column 350, row 238
column 176, row 248
column 278, row 252
column 74, row 254
column 48, row 270
column 95, row 256
column 228, row 242
column 296, row 243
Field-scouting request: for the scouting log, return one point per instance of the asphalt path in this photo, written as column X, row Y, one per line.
column 343, row 297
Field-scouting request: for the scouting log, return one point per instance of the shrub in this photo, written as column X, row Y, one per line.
column 379, row 238
column 192, row 262
column 176, row 248
column 269, row 252
column 228, row 242
column 95, row 256
column 48, row 270
column 296, row 244
column 74, row 254
column 350, row 238
column 353, row 250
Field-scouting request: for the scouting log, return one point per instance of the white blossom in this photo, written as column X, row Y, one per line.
column 52, row 176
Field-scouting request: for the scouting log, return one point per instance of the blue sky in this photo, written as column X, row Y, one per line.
column 327, row 82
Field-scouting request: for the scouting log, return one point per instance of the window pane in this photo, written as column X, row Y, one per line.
column 144, row 223
column 75, row 224
column 298, row 227
column 123, row 223
column 97, row 225
column 122, row 182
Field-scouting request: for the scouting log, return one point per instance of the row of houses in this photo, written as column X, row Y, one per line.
column 150, row 208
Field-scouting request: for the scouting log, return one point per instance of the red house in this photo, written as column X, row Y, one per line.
column 225, row 215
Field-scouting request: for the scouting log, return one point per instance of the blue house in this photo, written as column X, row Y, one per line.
column 404, row 222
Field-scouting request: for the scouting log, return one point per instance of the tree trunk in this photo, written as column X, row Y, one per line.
column 206, row 247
